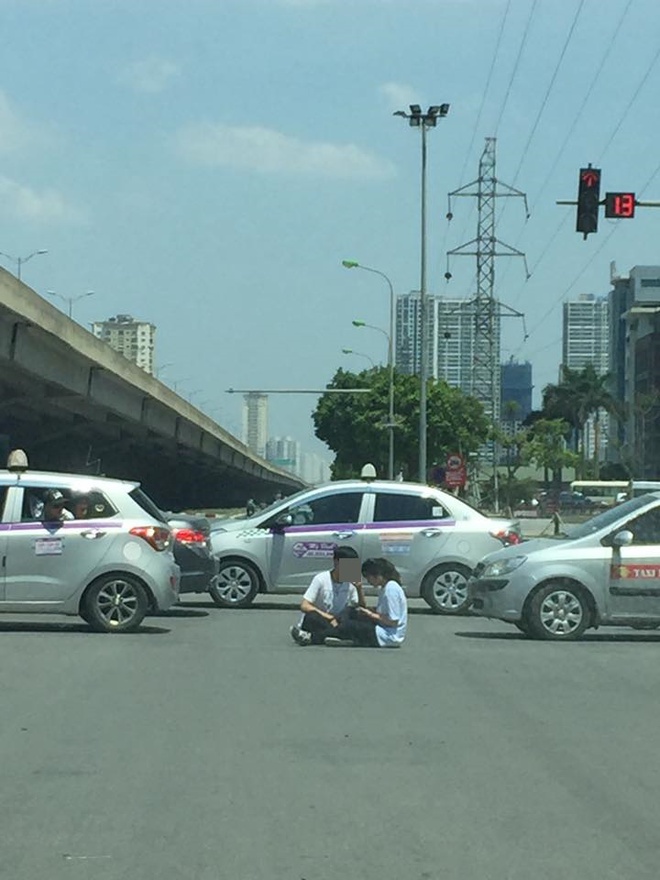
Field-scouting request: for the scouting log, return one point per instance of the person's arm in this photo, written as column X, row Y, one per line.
column 379, row 618
column 308, row 607
column 359, row 589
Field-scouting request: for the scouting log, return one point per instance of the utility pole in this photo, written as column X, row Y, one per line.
column 486, row 381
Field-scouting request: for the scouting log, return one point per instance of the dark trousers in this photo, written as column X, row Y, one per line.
column 318, row 626
column 351, row 626
column 358, row 630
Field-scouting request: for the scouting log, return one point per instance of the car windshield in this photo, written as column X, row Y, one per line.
column 608, row 517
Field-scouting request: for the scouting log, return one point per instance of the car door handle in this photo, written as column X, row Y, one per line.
column 343, row 534
column 431, row 533
column 91, row 534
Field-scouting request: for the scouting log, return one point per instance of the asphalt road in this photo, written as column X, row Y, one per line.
column 210, row 746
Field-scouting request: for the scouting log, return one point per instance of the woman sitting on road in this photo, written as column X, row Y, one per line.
column 386, row 626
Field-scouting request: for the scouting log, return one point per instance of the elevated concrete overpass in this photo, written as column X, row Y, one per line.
column 76, row 405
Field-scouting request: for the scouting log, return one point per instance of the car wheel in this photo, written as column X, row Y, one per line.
column 235, row 585
column 114, row 603
column 559, row 611
column 445, row 589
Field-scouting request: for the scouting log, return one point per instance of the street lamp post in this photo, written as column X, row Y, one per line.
column 353, row 264
column 359, row 354
column 70, row 300
column 21, row 260
column 390, row 414
column 423, row 121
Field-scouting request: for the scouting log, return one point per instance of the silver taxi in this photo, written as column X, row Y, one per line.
column 433, row 538
column 604, row 571
column 102, row 551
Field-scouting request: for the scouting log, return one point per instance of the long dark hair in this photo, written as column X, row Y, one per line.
column 380, row 567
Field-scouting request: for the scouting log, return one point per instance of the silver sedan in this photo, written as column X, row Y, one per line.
column 605, row 571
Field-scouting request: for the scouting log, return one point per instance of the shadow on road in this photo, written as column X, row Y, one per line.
column 179, row 611
column 587, row 637
column 24, row 626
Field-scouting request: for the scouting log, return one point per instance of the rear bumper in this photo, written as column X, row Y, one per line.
column 166, row 591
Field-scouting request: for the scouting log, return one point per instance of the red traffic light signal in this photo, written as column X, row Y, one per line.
column 620, row 205
column 588, row 201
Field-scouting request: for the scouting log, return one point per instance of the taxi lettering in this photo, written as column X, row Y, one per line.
column 633, row 572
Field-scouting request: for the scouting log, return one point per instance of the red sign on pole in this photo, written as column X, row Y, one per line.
column 456, row 472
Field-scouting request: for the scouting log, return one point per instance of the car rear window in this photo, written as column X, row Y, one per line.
column 147, row 504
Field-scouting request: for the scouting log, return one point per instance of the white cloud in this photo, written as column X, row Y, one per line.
column 23, row 203
column 264, row 150
column 399, row 96
column 151, row 75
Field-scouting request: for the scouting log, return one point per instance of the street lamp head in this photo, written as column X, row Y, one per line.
column 416, row 110
column 400, row 113
column 41, row 252
column 350, row 264
column 347, row 351
column 358, row 323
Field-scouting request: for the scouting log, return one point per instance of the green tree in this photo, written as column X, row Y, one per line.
column 354, row 425
column 546, row 447
column 580, row 395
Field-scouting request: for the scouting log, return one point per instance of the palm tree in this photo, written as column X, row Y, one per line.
column 580, row 395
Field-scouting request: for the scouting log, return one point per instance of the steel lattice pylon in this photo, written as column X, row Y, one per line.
column 486, row 247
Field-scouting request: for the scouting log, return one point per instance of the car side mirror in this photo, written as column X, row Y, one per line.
column 283, row 520
column 623, row 538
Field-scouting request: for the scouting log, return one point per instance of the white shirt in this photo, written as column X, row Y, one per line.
column 329, row 596
column 392, row 603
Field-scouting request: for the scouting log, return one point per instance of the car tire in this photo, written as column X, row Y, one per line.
column 559, row 612
column 114, row 603
column 235, row 585
column 445, row 588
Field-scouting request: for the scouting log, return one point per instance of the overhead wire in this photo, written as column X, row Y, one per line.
column 516, row 64
column 578, row 115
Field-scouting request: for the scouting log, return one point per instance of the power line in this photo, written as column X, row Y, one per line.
column 630, row 104
column 517, row 62
column 485, row 92
column 549, row 89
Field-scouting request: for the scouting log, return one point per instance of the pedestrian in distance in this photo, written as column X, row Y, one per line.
column 330, row 598
column 251, row 507
column 386, row 626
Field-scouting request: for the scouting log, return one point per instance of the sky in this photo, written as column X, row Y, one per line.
column 207, row 165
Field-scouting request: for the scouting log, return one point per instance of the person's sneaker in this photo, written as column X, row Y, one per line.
column 332, row 642
column 300, row 636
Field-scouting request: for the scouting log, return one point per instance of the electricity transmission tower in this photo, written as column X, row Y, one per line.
column 486, row 380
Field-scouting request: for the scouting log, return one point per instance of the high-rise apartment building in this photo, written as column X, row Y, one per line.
column 586, row 333
column 451, row 346
column 285, row 453
column 635, row 367
column 516, row 391
column 134, row 339
column 586, row 340
column 255, row 422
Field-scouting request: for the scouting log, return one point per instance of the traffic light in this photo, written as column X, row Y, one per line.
column 588, row 200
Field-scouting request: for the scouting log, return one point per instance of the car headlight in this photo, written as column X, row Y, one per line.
column 502, row 566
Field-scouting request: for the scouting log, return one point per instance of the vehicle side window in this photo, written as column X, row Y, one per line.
column 397, row 506
column 88, row 505
column 33, row 501
column 646, row 528
column 343, row 507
